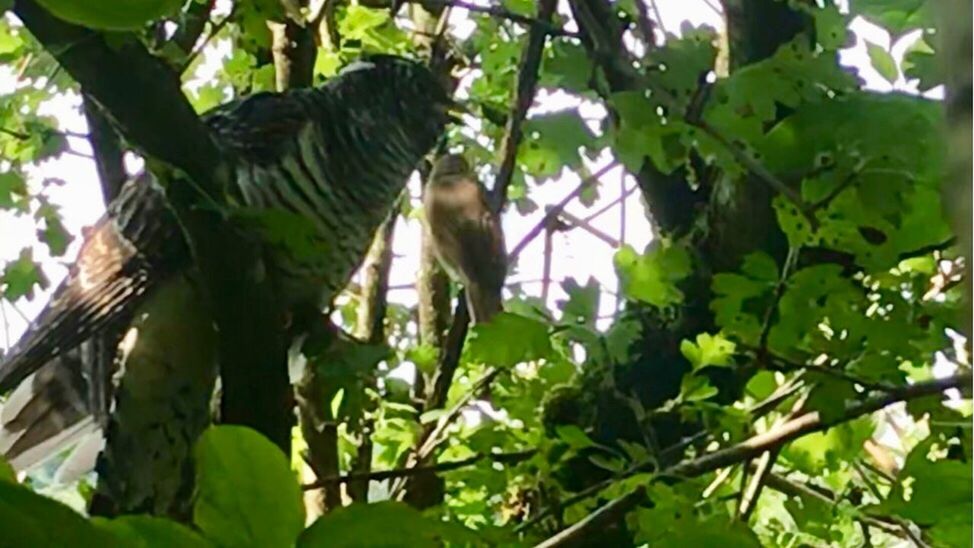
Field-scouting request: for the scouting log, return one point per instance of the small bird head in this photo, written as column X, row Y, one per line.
column 449, row 166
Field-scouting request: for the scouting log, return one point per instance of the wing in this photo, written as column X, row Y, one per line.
column 138, row 242
column 482, row 245
column 135, row 245
column 261, row 126
column 467, row 234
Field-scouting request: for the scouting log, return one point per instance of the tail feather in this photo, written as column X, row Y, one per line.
column 483, row 303
column 47, row 412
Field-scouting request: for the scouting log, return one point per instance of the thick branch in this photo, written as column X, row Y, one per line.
column 294, row 54
column 191, row 25
column 748, row 449
column 109, row 156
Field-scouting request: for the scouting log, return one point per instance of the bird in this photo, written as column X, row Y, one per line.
column 314, row 172
column 467, row 237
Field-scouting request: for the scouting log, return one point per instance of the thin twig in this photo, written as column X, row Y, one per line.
column 779, row 290
column 751, row 494
column 577, row 222
column 793, row 489
column 502, row 13
column 656, row 12
column 381, row 475
column 6, row 324
column 757, row 411
column 546, row 263
column 431, row 437
column 215, row 29
column 556, row 209
column 645, row 25
column 802, row 425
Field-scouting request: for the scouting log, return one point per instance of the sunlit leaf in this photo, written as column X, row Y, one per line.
column 246, row 492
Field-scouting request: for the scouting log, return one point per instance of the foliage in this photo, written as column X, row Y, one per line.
column 555, row 409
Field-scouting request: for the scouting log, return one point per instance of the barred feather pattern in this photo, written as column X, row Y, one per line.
column 334, row 157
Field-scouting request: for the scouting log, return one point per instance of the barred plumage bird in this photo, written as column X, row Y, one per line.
column 315, row 172
column 466, row 234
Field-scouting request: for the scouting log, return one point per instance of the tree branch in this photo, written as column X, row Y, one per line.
column 527, row 82
column 139, row 91
column 105, row 145
column 381, row 475
column 192, row 23
column 752, row 447
column 555, row 210
column 501, row 13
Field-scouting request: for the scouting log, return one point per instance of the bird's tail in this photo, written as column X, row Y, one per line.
column 48, row 411
column 483, row 302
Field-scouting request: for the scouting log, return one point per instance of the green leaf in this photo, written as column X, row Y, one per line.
column 574, row 436
column 246, row 492
column 708, row 350
column 507, row 340
column 54, row 234
column 21, row 276
column 883, row 62
column 696, row 388
column 424, row 356
column 388, row 524
column 553, row 141
column 291, row 231
column 751, row 96
column 29, row 519
column 110, row 14
column 360, row 20
column 938, row 498
column 13, row 191
column 642, row 133
column 681, row 63
column 653, row 276
column 830, row 397
column 762, row 385
column 897, row 16
column 7, row 472
column 673, row 522
column 10, row 40
column 567, row 66
column 921, row 63
column 831, row 26
column 150, row 532
column 815, row 452
column 582, row 306
column 620, row 339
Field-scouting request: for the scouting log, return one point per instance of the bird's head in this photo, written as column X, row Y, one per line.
column 448, row 167
column 399, row 87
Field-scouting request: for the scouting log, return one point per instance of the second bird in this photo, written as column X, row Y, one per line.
column 466, row 234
